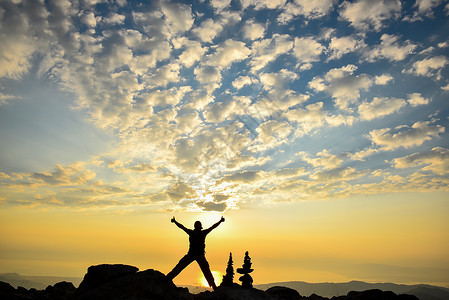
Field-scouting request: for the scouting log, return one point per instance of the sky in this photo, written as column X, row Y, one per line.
column 318, row 129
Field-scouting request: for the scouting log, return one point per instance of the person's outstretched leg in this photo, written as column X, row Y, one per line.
column 204, row 265
column 184, row 262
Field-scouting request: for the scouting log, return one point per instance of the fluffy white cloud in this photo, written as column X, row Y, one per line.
column 208, row 30
column 277, row 80
column 267, row 50
column 383, row 79
column 220, row 4
column 341, row 46
column 435, row 160
column 192, row 53
column 309, row 118
column 405, row 136
column 271, row 134
column 390, row 49
column 178, row 16
column 342, row 85
column 307, row 49
column 367, row 14
column 253, row 31
column 241, row 81
column 379, row 107
column 262, row 4
column 429, row 67
column 228, row 52
column 114, row 18
column 416, row 99
column 309, row 9
column 324, row 159
column 209, row 77
column 219, row 111
column 18, row 36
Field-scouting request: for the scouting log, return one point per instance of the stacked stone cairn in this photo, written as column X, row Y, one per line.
column 246, row 279
column 228, row 279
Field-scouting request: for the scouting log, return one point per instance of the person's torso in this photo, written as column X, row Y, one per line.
column 197, row 243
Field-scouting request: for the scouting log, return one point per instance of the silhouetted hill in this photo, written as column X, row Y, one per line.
column 120, row 282
column 328, row 289
column 37, row 282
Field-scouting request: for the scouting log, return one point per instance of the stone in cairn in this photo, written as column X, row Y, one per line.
column 228, row 279
column 246, row 279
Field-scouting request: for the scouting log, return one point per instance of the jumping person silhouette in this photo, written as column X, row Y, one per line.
column 196, row 252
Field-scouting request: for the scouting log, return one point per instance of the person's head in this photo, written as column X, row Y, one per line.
column 198, row 225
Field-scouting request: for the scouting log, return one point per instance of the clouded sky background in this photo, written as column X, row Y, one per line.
column 318, row 128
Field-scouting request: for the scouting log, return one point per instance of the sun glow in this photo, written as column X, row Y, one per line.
column 217, row 277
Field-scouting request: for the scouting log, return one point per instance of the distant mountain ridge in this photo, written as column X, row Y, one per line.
column 329, row 289
column 37, row 282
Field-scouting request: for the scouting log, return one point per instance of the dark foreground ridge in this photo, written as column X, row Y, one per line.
column 120, row 282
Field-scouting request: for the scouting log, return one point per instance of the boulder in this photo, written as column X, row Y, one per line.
column 284, row 293
column 100, row 274
column 235, row 292
column 145, row 285
column 60, row 291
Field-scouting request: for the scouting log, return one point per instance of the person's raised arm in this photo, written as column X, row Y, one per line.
column 215, row 225
column 173, row 220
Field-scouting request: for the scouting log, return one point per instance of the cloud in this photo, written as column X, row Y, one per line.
column 344, row 45
column 20, row 27
column 308, row 9
column 271, row 134
column 307, row 49
column 209, row 77
column 429, row 67
column 390, row 49
column 228, row 52
column 367, row 14
column 424, row 8
column 383, row 79
column 338, row 174
column 192, row 53
column 323, row 159
column 212, row 206
column 64, row 175
column 220, row 4
column 208, row 30
column 178, row 16
column 277, row 80
column 435, row 160
column 379, row 107
column 341, row 85
column 242, row 81
column 405, row 136
column 416, row 99
column 253, row 31
column 309, row 118
column 241, row 177
column 262, row 4
column 267, row 50
column 219, row 111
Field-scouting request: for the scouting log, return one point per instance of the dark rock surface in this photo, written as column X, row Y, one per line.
column 121, row 282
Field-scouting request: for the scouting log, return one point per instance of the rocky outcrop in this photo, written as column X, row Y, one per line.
column 122, row 282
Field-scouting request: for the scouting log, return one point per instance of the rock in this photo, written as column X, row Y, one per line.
column 100, row 274
column 60, row 291
column 235, row 292
column 145, row 285
column 7, row 291
column 284, row 293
